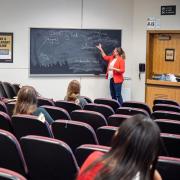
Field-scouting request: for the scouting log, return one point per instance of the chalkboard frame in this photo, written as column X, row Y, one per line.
column 73, row 74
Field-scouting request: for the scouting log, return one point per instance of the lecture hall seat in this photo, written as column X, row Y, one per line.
column 6, row 174
column 11, row 154
column 24, row 125
column 92, row 118
column 110, row 102
column 74, row 133
column 50, row 159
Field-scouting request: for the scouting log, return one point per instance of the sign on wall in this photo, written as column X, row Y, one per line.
column 153, row 23
column 6, row 47
column 168, row 10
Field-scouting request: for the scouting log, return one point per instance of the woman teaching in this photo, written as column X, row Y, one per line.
column 115, row 70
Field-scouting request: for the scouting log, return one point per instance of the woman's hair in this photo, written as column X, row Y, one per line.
column 121, row 52
column 26, row 100
column 135, row 148
column 73, row 90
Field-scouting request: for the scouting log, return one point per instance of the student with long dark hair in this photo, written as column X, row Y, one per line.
column 133, row 154
column 115, row 71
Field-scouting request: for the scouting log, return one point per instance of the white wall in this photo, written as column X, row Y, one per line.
column 142, row 10
column 18, row 16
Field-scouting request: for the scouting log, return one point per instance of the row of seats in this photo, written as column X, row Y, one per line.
column 8, row 90
column 115, row 105
column 38, row 157
column 105, row 110
column 95, row 119
column 105, row 106
column 128, row 108
column 76, row 133
column 92, row 116
column 165, row 107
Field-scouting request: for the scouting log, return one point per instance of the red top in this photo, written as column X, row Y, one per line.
column 119, row 64
column 90, row 174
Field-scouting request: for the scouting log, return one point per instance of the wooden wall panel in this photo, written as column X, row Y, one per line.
column 160, row 66
column 149, row 55
column 164, row 92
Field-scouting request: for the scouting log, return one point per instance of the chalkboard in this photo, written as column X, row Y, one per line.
column 70, row 51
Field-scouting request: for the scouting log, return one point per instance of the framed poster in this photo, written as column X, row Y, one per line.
column 6, row 47
column 169, row 54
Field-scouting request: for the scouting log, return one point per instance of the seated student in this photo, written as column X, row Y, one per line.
column 133, row 155
column 73, row 93
column 27, row 104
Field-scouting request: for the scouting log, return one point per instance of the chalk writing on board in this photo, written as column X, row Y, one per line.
column 70, row 51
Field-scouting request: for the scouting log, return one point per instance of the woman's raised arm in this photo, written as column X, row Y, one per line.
column 99, row 46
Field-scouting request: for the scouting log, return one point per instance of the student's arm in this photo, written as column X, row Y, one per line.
column 157, row 176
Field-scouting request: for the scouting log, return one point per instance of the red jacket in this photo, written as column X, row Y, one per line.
column 119, row 64
column 90, row 174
